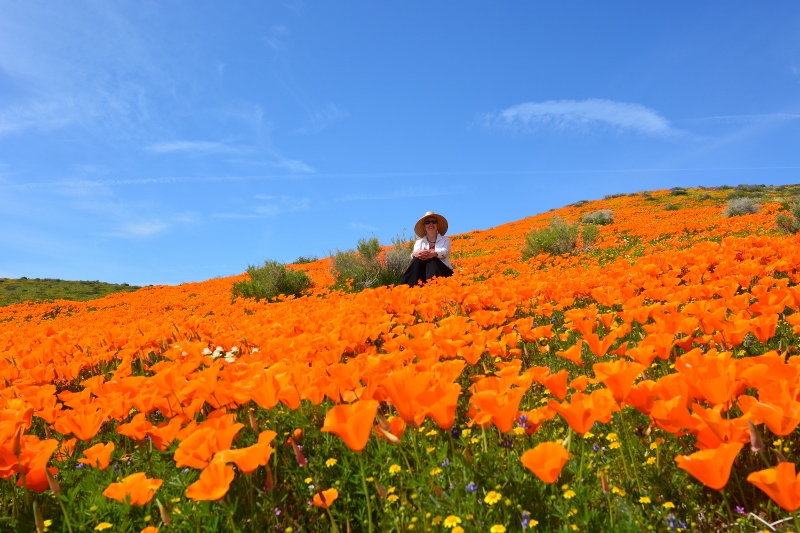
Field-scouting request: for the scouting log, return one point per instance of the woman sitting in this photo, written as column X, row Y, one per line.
column 431, row 252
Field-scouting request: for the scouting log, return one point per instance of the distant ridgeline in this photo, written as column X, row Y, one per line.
column 24, row 289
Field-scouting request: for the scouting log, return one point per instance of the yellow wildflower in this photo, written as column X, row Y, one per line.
column 394, row 469
column 493, row 497
column 669, row 505
column 568, row 495
column 102, row 525
column 498, row 528
column 436, row 471
column 451, row 521
column 644, row 499
column 614, row 445
column 330, row 462
column 393, row 497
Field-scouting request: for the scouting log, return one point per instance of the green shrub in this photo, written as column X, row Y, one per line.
column 741, row 206
column 270, row 280
column 558, row 237
column 671, row 207
column 616, row 195
column 303, row 260
column 602, row 217
column 589, row 234
column 789, row 224
column 365, row 267
column 678, row 191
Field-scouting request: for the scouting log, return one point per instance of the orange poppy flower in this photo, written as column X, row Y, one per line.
column 781, row 484
column 213, row 484
column 618, row 376
column 711, row 467
column 325, row 498
column 573, row 353
column 556, row 384
column 138, row 487
column 546, row 460
column 98, row 456
column 579, row 412
column 352, row 423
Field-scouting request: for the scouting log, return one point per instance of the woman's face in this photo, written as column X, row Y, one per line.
column 431, row 225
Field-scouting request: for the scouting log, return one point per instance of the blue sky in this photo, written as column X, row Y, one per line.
column 163, row 142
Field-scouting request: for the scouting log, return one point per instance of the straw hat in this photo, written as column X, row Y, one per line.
column 419, row 227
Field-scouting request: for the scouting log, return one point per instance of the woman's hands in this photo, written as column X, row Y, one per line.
column 424, row 255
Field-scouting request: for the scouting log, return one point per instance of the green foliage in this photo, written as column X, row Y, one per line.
column 589, row 234
column 558, row 237
column 24, row 289
column 789, row 224
column 303, row 260
column 671, row 207
column 271, row 280
column 678, row 191
column 602, row 217
column 365, row 267
column 616, row 195
column 741, row 206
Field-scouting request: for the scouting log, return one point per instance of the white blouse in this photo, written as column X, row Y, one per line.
column 442, row 248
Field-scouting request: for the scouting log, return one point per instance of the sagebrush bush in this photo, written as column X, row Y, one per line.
column 678, row 191
column 741, row 206
column 271, row 280
column 302, row 260
column 589, row 234
column 789, row 224
column 558, row 237
column 602, row 217
column 365, row 267
column 671, row 207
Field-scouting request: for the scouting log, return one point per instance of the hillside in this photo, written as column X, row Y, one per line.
column 26, row 289
column 662, row 340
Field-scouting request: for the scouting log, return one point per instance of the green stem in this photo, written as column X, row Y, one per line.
column 66, row 516
column 333, row 523
column 625, row 445
column 366, row 494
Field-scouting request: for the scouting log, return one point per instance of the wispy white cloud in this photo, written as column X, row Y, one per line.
column 275, row 39
column 747, row 119
column 581, row 115
column 396, row 195
column 197, row 147
column 268, row 206
column 320, row 120
column 44, row 115
column 137, row 230
column 295, row 166
column 360, row 226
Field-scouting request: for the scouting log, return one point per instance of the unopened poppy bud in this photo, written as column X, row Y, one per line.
column 384, row 424
column 269, row 484
column 253, row 422
column 298, row 434
column 55, row 488
column 779, row 456
column 38, row 518
column 756, row 442
column 163, row 512
column 16, row 446
column 301, row 460
column 603, row 482
column 381, row 490
column 388, row 435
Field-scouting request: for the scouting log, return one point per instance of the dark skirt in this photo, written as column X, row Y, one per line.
column 422, row 271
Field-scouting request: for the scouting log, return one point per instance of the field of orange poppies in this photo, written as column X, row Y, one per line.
column 650, row 382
